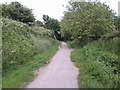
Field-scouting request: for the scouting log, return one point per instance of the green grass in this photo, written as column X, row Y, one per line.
column 20, row 76
column 98, row 66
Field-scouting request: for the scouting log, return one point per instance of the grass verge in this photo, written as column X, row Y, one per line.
column 98, row 67
column 20, row 76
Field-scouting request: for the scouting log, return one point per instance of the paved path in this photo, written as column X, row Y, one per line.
column 60, row 73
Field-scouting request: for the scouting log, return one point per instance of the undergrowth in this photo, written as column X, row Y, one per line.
column 24, row 49
column 98, row 63
column 18, row 78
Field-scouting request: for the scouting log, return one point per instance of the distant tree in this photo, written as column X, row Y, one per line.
column 52, row 24
column 85, row 21
column 16, row 11
column 39, row 23
column 47, row 22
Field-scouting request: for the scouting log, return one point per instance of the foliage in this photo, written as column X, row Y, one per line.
column 86, row 21
column 39, row 23
column 111, row 35
column 98, row 63
column 25, row 73
column 21, row 42
column 18, row 12
column 52, row 24
column 117, row 22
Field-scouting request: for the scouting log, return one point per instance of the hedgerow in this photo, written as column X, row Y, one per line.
column 21, row 42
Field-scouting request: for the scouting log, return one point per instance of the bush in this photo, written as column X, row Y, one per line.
column 98, row 64
column 21, row 43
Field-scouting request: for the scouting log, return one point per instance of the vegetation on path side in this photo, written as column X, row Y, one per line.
column 24, row 49
column 90, row 27
column 98, row 63
column 25, row 73
column 93, row 30
column 27, row 43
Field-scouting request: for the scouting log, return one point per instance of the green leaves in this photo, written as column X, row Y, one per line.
column 98, row 64
column 18, row 12
column 52, row 24
column 21, row 43
column 84, row 21
column 117, row 22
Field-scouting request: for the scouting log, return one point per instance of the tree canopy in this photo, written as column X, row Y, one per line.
column 87, row 20
column 18, row 12
column 39, row 23
column 52, row 24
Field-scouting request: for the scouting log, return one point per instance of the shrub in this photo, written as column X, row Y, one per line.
column 21, row 43
column 98, row 64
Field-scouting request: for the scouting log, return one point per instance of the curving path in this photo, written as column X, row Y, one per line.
column 60, row 73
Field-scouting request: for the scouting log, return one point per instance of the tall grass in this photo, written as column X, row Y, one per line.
column 98, row 63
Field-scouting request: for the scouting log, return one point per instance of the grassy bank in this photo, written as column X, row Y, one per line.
column 18, row 77
column 21, row 43
column 98, row 63
column 24, row 49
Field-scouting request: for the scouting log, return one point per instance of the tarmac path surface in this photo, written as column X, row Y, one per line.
column 59, row 73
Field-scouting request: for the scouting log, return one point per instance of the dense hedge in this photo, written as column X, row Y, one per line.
column 21, row 42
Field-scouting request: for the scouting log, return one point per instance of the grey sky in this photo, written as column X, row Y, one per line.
column 54, row 8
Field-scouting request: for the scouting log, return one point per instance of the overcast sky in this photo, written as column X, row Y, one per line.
column 54, row 8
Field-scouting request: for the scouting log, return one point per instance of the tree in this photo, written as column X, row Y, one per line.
column 86, row 21
column 16, row 11
column 39, row 23
column 52, row 24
